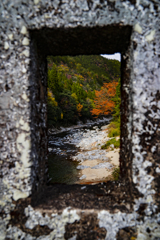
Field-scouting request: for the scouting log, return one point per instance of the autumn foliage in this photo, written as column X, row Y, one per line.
column 72, row 82
column 103, row 101
column 79, row 108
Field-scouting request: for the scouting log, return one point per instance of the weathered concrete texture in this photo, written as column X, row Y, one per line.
column 31, row 30
column 38, row 116
column 87, row 228
column 127, row 233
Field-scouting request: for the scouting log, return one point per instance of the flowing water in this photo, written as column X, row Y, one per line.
column 65, row 154
column 62, row 169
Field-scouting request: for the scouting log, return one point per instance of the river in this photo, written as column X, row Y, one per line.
column 75, row 154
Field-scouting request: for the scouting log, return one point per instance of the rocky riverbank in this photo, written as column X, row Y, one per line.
column 82, row 147
column 95, row 164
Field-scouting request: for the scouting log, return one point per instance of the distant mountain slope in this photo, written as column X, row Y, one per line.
column 72, row 82
column 98, row 64
column 106, row 70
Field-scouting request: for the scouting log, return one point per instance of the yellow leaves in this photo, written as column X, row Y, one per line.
column 61, row 115
column 51, row 99
column 79, row 108
column 62, row 68
column 73, row 95
column 49, row 93
column 80, row 77
column 78, row 66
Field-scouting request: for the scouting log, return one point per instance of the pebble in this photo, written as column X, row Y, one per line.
column 82, row 177
column 82, row 167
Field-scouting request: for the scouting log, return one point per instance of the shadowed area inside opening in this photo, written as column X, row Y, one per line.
column 73, row 42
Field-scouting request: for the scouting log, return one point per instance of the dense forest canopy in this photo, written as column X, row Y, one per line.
column 72, row 84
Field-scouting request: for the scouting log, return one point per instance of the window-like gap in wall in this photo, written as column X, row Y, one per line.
column 78, row 41
column 83, row 98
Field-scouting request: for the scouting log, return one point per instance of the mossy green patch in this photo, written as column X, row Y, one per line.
column 114, row 129
column 113, row 141
column 115, row 173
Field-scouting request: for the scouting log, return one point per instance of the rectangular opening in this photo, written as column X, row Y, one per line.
column 75, row 42
column 83, row 118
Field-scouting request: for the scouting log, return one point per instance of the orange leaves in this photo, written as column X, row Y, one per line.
column 103, row 100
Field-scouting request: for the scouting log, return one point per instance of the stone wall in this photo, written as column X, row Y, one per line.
column 29, row 32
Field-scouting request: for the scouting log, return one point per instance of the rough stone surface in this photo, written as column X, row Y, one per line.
column 87, row 228
column 31, row 30
column 127, row 233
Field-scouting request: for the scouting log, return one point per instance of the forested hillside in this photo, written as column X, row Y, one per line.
column 72, row 82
